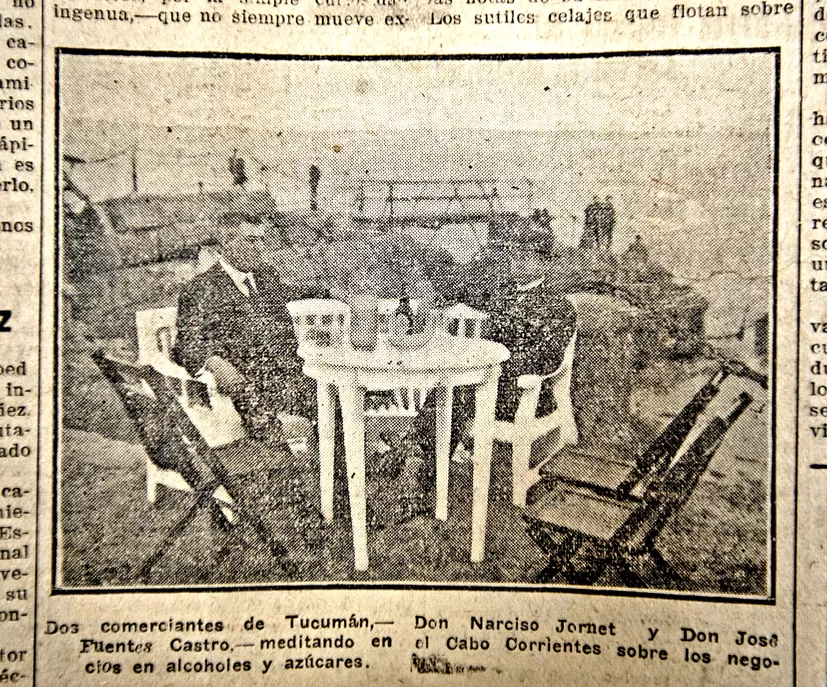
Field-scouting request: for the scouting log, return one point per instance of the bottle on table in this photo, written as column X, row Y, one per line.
column 403, row 318
column 424, row 294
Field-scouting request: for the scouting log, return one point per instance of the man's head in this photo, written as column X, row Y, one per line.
column 242, row 242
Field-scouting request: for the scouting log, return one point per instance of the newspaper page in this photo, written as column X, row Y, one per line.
column 413, row 342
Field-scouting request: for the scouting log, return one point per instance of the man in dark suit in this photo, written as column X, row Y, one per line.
column 233, row 322
column 606, row 225
column 591, row 224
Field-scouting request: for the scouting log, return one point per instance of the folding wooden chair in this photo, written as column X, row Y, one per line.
column 173, row 443
column 587, row 530
column 614, row 472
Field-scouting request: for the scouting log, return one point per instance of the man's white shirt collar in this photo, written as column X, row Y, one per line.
column 238, row 277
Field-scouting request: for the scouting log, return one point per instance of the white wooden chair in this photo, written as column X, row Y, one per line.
column 463, row 321
column 528, row 428
column 212, row 414
column 320, row 321
column 217, row 419
column 218, row 423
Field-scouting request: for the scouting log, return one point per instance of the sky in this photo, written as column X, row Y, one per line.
column 598, row 94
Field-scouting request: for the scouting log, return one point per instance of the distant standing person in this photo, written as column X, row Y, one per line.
column 545, row 220
column 637, row 252
column 237, row 170
column 315, row 175
column 606, row 225
column 591, row 224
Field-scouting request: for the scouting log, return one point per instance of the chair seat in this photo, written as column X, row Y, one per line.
column 625, row 528
column 581, row 510
column 604, row 470
column 246, row 456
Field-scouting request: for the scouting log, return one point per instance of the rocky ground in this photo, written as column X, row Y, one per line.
column 718, row 541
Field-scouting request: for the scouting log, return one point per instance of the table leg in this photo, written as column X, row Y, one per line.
column 352, row 399
column 486, row 400
column 444, row 402
column 327, row 444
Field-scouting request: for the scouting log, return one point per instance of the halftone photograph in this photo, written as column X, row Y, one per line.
column 500, row 322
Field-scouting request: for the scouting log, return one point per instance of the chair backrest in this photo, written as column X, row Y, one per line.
column 655, row 460
column 464, row 321
column 665, row 496
column 560, row 379
column 319, row 321
column 147, row 410
column 157, row 330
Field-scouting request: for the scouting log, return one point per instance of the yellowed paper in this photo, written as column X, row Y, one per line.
column 365, row 342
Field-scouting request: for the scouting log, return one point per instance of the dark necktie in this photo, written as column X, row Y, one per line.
column 251, row 289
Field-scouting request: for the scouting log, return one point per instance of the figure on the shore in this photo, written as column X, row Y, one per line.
column 237, row 169
column 637, row 252
column 315, row 175
column 547, row 240
column 598, row 224
column 591, row 224
column 606, row 225
column 360, row 200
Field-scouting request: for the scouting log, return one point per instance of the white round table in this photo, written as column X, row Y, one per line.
column 444, row 363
